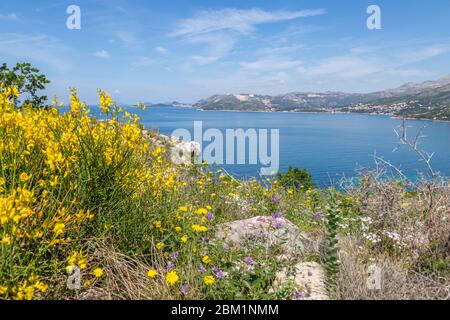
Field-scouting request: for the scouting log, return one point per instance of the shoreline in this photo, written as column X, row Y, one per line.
column 328, row 112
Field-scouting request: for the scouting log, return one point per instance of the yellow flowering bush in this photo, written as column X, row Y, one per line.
column 59, row 170
column 72, row 179
column 67, row 176
column 78, row 187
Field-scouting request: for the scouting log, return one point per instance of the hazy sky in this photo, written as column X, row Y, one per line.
column 187, row 50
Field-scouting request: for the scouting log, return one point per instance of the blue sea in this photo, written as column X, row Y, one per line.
column 330, row 146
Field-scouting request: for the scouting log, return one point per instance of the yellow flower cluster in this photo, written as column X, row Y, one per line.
column 172, row 278
column 182, row 233
column 46, row 160
column 27, row 289
column 77, row 258
column 209, row 280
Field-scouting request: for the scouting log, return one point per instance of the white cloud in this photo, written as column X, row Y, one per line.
column 362, row 49
column 281, row 49
column 343, row 66
column 129, row 39
column 217, row 47
column 220, row 30
column 373, row 65
column 9, row 16
column 241, row 21
column 271, row 63
column 267, row 83
column 103, row 54
column 161, row 50
column 141, row 61
column 281, row 78
column 422, row 54
column 203, row 60
column 36, row 48
column 408, row 73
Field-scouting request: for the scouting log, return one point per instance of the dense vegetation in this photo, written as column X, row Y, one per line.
column 102, row 198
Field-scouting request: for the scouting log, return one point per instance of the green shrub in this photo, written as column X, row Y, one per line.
column 296, row 178
column 28, row 81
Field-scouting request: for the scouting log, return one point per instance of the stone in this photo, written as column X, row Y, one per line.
column 309, row 279
column 181, row 151
column 94, row 294
column 268, row 232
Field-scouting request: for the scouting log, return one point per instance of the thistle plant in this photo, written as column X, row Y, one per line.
column 331, row 256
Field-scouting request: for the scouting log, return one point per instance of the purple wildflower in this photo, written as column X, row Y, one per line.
column 226, row 247
column 277, row 215
column 218, row 273
column 201, row 269
column 275, row 199
column 248, row 260
column 206, row 240
column 318, row 215
column 184, row 289
column 250, row 200
column 298, row 295
column 169, row 266
column 174, row 255
column 277, row 225
column 209, row 216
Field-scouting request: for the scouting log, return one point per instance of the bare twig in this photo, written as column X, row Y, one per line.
column 402, row 136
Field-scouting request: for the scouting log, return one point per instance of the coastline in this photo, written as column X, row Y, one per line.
column 421, row 119
column 337, row 112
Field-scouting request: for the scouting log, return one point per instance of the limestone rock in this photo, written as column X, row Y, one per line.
column 309, row 278
column 267, row 232
column 181, row 151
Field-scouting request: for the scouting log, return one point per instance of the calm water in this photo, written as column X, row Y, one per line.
column 328, row 145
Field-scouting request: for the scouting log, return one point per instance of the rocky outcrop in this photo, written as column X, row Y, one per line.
column 183, row 151
column 286, row 240
column 270, row 232
column 180, row 151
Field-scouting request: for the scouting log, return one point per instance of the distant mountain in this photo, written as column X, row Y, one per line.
column 416, row 88
column 430, row 99
column 286, row 102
